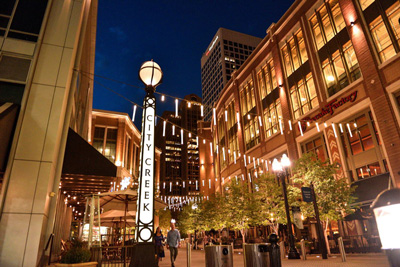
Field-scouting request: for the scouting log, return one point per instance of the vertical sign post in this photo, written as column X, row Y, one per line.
column 143, row 254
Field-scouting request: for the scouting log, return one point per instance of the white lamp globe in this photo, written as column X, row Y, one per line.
column 150, row 73
column 276, row 166
column 386, row 208
column 285, row 161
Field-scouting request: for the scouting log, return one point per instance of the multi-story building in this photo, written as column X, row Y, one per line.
column 116, row 137
column 179, row 168
column 224, row 55
column 325, row 79
column 45, row 109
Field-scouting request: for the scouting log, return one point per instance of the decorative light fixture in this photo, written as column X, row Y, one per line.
column 386, row 208
column 150, row 74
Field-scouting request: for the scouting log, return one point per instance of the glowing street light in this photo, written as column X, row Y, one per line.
column 386, row 208
column 151, row 75
column 281, row 170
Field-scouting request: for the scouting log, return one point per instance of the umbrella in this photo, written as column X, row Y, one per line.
column 125, row 200
column 111, row 217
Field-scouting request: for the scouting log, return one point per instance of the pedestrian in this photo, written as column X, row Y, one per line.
column 159, row 239
column 173, row 243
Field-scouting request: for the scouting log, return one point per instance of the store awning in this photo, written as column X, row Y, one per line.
column 85, row 170
column 368, row 189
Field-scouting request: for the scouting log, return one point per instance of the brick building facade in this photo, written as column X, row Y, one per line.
column 324, row 80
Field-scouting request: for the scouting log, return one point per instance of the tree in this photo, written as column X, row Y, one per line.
column 271, row 206
column 241, row 205
column 334, row 195
column 164, row 219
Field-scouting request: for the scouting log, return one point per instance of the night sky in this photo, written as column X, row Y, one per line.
column 172, row 33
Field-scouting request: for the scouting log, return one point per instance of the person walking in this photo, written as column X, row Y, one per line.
column 159, row 239
column 173, row 243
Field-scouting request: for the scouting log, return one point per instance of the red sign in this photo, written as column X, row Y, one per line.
column 334, row 104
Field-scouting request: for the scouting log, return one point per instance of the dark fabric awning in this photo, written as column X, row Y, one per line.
column 368, row 189
column 85, row 170
column 358, row 215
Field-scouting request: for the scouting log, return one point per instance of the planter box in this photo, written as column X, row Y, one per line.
column 83, row 264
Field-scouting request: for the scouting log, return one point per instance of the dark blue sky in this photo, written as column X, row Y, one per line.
column 173, row 33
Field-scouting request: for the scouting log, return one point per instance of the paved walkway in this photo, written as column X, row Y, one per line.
column 363, row 260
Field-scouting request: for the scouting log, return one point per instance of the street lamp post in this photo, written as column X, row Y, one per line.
column 281, row 170
column 151, row 75
column 387, row 215
column 194, row 207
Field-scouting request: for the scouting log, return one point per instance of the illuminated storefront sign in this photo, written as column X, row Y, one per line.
column 334, row 104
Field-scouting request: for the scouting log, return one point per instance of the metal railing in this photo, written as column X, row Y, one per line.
column 112, row 255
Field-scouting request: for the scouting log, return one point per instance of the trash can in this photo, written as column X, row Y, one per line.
column 219, row 256
column 257, row 255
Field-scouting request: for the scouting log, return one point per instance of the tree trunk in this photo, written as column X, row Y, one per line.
column 328, row 249
column 220, row 237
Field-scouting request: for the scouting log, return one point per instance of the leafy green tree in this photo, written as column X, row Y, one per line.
column 271, row 206
column 164, row 219
column 241, row 205
column 334, row 195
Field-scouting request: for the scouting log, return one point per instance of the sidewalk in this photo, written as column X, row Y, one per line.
column 364, row 260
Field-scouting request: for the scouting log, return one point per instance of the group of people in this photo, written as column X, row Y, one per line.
column 172, row 243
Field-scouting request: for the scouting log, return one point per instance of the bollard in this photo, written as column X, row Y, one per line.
column 303, row 249
column 341, row 249
column 282, row 247
column 188, row 254
column 275, row 256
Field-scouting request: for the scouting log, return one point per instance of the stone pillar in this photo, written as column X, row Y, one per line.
column 34, row 163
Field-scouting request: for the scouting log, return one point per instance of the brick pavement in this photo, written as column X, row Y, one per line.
column 364, row 260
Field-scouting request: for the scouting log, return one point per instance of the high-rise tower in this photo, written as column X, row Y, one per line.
column 225, row 54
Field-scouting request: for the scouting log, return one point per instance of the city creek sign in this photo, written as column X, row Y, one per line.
column 145, row 209
column 333, row 105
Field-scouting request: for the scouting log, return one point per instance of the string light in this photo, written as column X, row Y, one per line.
column 211, row 150
column 197, row 141
column 234, row 157
column 316, row 124
column 176, row 107
column 164, row 124
column 301, row 130
column 223, row 152
column 334, row 129
column 215, row 117
column 348, row 127
column 325, row 124
column 182, row 136
column 259, row 119
column 201, row 110
column 280, row 126
column 134, row 112
column 189, row 104
column 341, row 128
column 245, row 163
column 290, row 125
column 162, row 98
column 173, row 129
column 190, row 135
column 248, row 116
column 226, row 115
column 204, row 141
